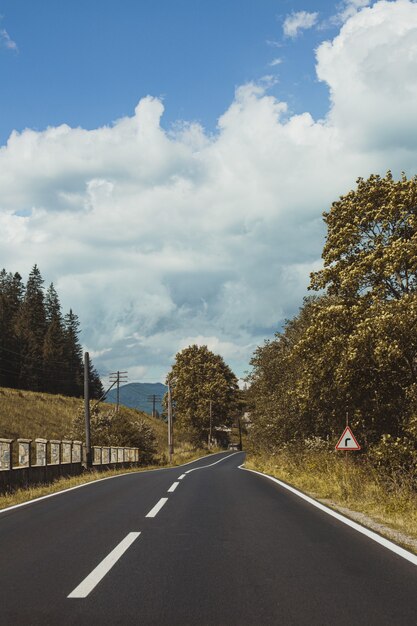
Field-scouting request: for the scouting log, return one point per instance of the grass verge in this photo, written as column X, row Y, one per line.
column 353, row 488
column 183, row 455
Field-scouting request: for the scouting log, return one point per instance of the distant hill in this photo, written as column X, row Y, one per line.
column 137, row 396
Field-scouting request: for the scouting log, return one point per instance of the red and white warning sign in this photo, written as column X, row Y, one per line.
column 347, row 441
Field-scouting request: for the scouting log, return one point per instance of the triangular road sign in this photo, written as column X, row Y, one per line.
column 347, row 441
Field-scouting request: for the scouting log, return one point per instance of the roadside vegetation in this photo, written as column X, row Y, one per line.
column 351, row 349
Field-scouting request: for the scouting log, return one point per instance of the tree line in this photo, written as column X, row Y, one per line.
column 39, row 346
column 353, row 346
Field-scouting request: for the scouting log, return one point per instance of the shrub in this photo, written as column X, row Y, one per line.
column 117, row 429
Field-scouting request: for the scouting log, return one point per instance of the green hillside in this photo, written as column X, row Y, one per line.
column 31, row 414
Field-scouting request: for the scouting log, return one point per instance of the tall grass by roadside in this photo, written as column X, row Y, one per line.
column 347, row 482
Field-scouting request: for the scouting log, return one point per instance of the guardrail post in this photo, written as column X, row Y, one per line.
column 6, row 454
column 40, row 454
column 105, row 455
column 65, row 451
column 76, row 452
column 97, row 455
column 24, row 452
column 55, row 446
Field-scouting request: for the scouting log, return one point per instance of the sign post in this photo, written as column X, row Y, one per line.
column 347, row 440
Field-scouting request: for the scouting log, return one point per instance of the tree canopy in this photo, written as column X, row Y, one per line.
column 354, row 345
column 199, row 378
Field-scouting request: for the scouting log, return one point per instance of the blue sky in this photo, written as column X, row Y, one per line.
column 170, row 178
column 88, row 63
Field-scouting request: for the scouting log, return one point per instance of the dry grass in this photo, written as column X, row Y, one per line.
column 31, row 414
column 341, row 481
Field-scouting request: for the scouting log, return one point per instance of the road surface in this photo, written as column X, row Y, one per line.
column 213, row 546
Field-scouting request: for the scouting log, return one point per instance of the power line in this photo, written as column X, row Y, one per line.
column 154, row 398
column 117, row 378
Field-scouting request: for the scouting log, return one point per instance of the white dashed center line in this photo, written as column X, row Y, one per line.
column 158, row 506
column 92, row 580
column 173, row 487
column 181, row 477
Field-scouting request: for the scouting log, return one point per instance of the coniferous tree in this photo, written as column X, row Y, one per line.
column 30, row 329
column 39, row 349
column 11, row 294
column 73, row 355
column 96, row 387
column 54, row 344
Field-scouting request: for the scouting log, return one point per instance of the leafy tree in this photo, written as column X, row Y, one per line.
column 371, row 244
column 200, row 377
column 355, row 346
column 122, row 428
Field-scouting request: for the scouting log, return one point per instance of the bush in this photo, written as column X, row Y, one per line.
column 109, row 428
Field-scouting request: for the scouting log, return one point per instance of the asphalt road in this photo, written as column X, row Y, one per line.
column 227, row 547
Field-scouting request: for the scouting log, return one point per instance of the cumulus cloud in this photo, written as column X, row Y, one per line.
column 160, row 238
column 348, row 9
column 298, row 21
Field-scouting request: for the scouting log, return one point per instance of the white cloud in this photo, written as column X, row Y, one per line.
column 348, row 9
column 7, row 41
column 275, row 62
column 162, row 238
column 298, row 21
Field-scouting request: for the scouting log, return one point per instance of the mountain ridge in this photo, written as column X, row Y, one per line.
column 137, row 396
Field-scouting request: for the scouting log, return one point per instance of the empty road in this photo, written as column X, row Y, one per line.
column 203, row 544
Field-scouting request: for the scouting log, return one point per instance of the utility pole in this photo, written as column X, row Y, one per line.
column 240, row 432
column 211, row 426
column 170, row 426
column 87, row 409
column 117, row 378
column 154, row 399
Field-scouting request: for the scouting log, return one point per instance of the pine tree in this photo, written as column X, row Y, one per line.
column 30, row 330
column 54, row 344
column 96, row 387
column 11, row 294
column 73, row 356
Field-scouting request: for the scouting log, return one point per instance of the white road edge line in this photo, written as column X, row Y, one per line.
column 211, row 464
column 405, row 554
column 99, row 480
column 173, row 487
column 181, row 477
column 158, row 506
column 98, row 573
